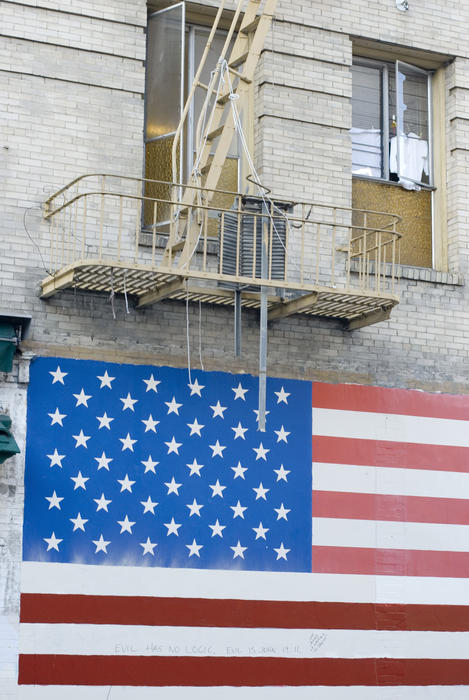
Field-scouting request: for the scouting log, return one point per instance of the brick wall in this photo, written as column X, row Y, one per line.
column 72, row 83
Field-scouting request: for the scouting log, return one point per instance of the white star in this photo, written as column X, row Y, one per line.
column 238, row 550
column 282, row 395
column 261, row 452
column 149, row 465
column 173, row 406
column 101, row 544
column 239, row 471
column 239, row 392
column 104, row 421
column 195, row 427
column 218, row 410
column 151, row 384
column 102, row 503
column 57, row 417
column 282, row 473
column 173, row 446
column 194, row 508
column 260, row 531
column 127, row 443
column 217, row 529
column 58, row 376
column 172, row 528
column 56, row 459
column 256, row 411
column 105, row 380
column 195, row 468
column 128, row 402
column 148, row 546
column 126, row 525
column 81, row 439
column 217, row 489
column 149, row 506
column 80, row 481
column 194, row 548
column 217, row 449
column 78, row 522
column 238, row 510
column 172, row 486
column 281, row 552
column 150, row 424
column 196, row 388
column 282, row 434
column 126, row 484
column 103, row 461
column 239, row 431
column 52, row 541
column 260, row 492
column 282, row 512
column 82, row 399
column 54, row 501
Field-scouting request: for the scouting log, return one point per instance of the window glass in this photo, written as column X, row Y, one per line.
column 412, row 147
column 366, row 129
column 163, row 76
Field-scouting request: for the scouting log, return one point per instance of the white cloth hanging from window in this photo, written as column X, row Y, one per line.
column 366, row 151
column 413, row 158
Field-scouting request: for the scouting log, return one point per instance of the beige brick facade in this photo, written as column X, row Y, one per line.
column 72, row 82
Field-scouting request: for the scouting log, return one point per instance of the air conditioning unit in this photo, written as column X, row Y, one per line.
column 253, row 219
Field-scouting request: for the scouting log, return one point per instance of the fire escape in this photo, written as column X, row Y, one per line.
column 158, row 240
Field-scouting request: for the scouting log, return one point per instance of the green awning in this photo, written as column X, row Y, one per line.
column 8, row 345
column 8, row 446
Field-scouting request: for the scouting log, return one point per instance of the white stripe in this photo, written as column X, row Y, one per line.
column 39, row 577
column 389, row 426
column 141, row 640
column 428, row 692
column 346, row 532
column 390, row 481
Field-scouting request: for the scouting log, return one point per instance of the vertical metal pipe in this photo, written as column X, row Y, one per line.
column 263, row 324
column 237, row 322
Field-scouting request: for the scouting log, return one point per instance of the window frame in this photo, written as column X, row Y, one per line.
column 384, row 68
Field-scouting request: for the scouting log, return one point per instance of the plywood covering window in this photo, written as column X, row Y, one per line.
column 174, row 50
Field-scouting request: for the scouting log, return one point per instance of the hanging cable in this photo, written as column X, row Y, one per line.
column 111, row 296
column 188, row 342
column 125, row 295
column 200, row 336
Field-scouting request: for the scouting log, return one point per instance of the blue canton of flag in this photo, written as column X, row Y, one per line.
column 138, row 465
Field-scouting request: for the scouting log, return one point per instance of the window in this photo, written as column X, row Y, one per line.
column 391, row 122
column 174, row 50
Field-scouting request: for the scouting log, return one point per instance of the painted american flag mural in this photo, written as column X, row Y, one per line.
column 172, row 550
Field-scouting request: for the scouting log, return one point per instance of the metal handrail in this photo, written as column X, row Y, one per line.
column 103, row 223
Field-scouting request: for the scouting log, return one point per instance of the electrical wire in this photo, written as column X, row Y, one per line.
column 188, row 342
column 36, row 206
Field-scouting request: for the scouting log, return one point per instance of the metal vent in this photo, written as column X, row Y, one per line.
column 252, row 221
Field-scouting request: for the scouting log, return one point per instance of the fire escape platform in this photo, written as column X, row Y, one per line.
column 354, row 307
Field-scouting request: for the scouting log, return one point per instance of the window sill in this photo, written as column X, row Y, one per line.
column 393, row 183
column 419, row 274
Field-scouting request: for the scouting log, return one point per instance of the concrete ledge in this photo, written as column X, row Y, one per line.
column 420, row 274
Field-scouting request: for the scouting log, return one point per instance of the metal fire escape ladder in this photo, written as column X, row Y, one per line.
column 241, row 65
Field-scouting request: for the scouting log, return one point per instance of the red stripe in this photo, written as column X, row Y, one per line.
column 381, row 453
column 197, row 612
column 352, row 397
column 49, row 669
column 389, row 562
column 409, row 509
